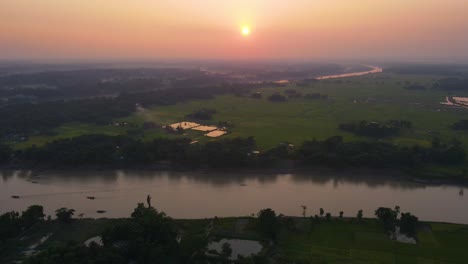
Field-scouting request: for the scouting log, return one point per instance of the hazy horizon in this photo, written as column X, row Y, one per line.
column 52, row 30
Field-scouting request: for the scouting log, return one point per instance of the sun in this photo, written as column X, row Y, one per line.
column 245, row 30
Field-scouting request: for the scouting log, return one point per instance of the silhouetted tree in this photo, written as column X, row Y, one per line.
column 304, row 209
column 267, row 223
column 360, row 215
column 34, row 214
column 388, row 218
column 64, row 214
column 408, row 224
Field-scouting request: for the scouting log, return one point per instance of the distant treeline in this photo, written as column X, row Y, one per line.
column 335, row 152
column 376, row 129
column 123, row 151
column 93, row 82
column 452, row 84
column 202, row 114
column 429, row 69
column 415, row 87
column 29, row 118
column 291, row 94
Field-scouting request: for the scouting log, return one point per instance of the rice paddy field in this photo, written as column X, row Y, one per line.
column 378, row 97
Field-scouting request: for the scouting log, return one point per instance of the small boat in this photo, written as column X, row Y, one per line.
column 91, row 197
column 100, row 211
column 15, row 197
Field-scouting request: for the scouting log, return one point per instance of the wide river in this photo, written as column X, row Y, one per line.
column 200, row 195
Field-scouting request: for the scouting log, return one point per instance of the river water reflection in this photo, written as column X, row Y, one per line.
column 200, row 195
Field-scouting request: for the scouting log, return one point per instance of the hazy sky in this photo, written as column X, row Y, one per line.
column 306, row 29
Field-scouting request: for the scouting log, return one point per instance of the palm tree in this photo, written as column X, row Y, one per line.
column 359, row 215
column 304, row 209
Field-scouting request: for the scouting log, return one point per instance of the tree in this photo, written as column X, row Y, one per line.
column 408, row 224
column 10, row 224
column 388, row 218
column 328, row 216
column 151, row 237
column 277, row 98
column 267, row 223
column 33, row 215
column 341, row 214
column 304, row 210
column 360, row 215
column 321, row 211
column 64, row 214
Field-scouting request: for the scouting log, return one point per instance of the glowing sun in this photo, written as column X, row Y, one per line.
column 245, row 30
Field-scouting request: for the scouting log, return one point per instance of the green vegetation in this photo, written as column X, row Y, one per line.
column 374, row 98
column 346, row 241
column 150, row 235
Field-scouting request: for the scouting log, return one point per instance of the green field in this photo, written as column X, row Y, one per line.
column 377, row 97
column 352, row 242
column 354, row 100
column 334, row 241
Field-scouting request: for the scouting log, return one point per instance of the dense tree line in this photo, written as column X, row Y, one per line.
column 94, row 82
column 29, row 118
column 336, row 153
column 451, row 84
column 202, row 114
column 315, row 96
column 427, row 69
column 277, row 98
column 415, row 87
column 376, row 129
column 124, row 151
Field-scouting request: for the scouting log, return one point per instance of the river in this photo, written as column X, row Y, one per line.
column 200, row 195
column 352, row 74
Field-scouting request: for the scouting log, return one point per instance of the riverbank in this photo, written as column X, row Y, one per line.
column 336, row 240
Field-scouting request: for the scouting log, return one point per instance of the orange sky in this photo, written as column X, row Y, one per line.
column 210, row 29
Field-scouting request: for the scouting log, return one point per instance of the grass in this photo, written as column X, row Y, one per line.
column 353, row 99
column 344, row 241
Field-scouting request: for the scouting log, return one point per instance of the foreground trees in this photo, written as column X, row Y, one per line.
column 268, row 223
column 64, row 214
column 150, row 237
column 389, row 217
